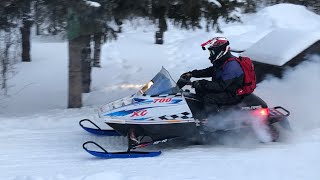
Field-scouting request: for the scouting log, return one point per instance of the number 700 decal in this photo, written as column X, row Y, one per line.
column 162, row 100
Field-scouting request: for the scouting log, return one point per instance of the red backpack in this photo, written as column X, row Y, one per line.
column 249, row 82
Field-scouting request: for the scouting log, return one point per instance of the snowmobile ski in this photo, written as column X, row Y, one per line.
column 110, row 155
column 98, row 130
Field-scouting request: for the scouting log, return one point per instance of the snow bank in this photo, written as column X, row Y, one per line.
column 290, row 16
column 291, row 29
column 281, row 45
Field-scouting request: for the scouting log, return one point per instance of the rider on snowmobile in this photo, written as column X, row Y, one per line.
column 227, row 76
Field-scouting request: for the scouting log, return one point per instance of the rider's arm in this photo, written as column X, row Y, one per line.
column 208, row 72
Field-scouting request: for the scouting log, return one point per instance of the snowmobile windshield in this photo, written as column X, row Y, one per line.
column 162, row 83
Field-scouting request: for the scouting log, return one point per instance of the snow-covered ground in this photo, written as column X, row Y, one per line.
column 41, row 139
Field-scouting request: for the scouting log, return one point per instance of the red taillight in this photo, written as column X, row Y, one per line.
column 262, row 112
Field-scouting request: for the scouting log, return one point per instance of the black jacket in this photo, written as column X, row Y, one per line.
column 226, row 76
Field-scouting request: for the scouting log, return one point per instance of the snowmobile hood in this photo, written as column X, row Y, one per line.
column 158, row 102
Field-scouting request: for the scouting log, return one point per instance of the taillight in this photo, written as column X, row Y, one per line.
column 262, row 112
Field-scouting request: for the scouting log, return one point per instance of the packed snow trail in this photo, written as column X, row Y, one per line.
column 56, row 153
column 48, row 146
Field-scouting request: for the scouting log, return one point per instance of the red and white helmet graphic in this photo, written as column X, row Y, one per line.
column 217, row 46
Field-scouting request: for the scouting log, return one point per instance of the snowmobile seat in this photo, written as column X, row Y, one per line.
column 247, row 101
column 252, row 100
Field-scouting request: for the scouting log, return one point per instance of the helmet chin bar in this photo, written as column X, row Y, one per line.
column 214, row 58
column 220, row 54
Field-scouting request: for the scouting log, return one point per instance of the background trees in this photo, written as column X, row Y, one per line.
column 84, row 23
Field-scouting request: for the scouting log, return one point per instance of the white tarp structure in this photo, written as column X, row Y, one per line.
column 282, row 45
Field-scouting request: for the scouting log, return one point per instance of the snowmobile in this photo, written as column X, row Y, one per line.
column 162, row 110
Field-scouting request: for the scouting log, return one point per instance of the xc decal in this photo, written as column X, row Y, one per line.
column 139, row 113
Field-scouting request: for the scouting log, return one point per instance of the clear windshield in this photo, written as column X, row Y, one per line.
column 162, row 83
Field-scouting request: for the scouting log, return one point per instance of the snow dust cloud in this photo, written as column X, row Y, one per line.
column 298, row 91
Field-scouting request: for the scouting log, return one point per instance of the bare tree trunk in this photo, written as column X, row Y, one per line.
column 37, row 17
column 25, row 39
column 25, row 32
column 75, row 78
column 38, row 29
column 97, row 49
column 86, row 66
column 9, row 48
column 5, row 62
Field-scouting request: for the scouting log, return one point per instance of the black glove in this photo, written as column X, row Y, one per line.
column 199, row 85
column 187, row 76
column 182, row 82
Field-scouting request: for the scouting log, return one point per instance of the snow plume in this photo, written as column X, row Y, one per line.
column 261, row 130
column 246, row 127
column 298, row 91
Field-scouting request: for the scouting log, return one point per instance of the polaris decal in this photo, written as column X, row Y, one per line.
column 251, row 107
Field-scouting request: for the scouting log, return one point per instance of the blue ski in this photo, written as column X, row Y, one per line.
column 98, row 130
column 110, row 155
